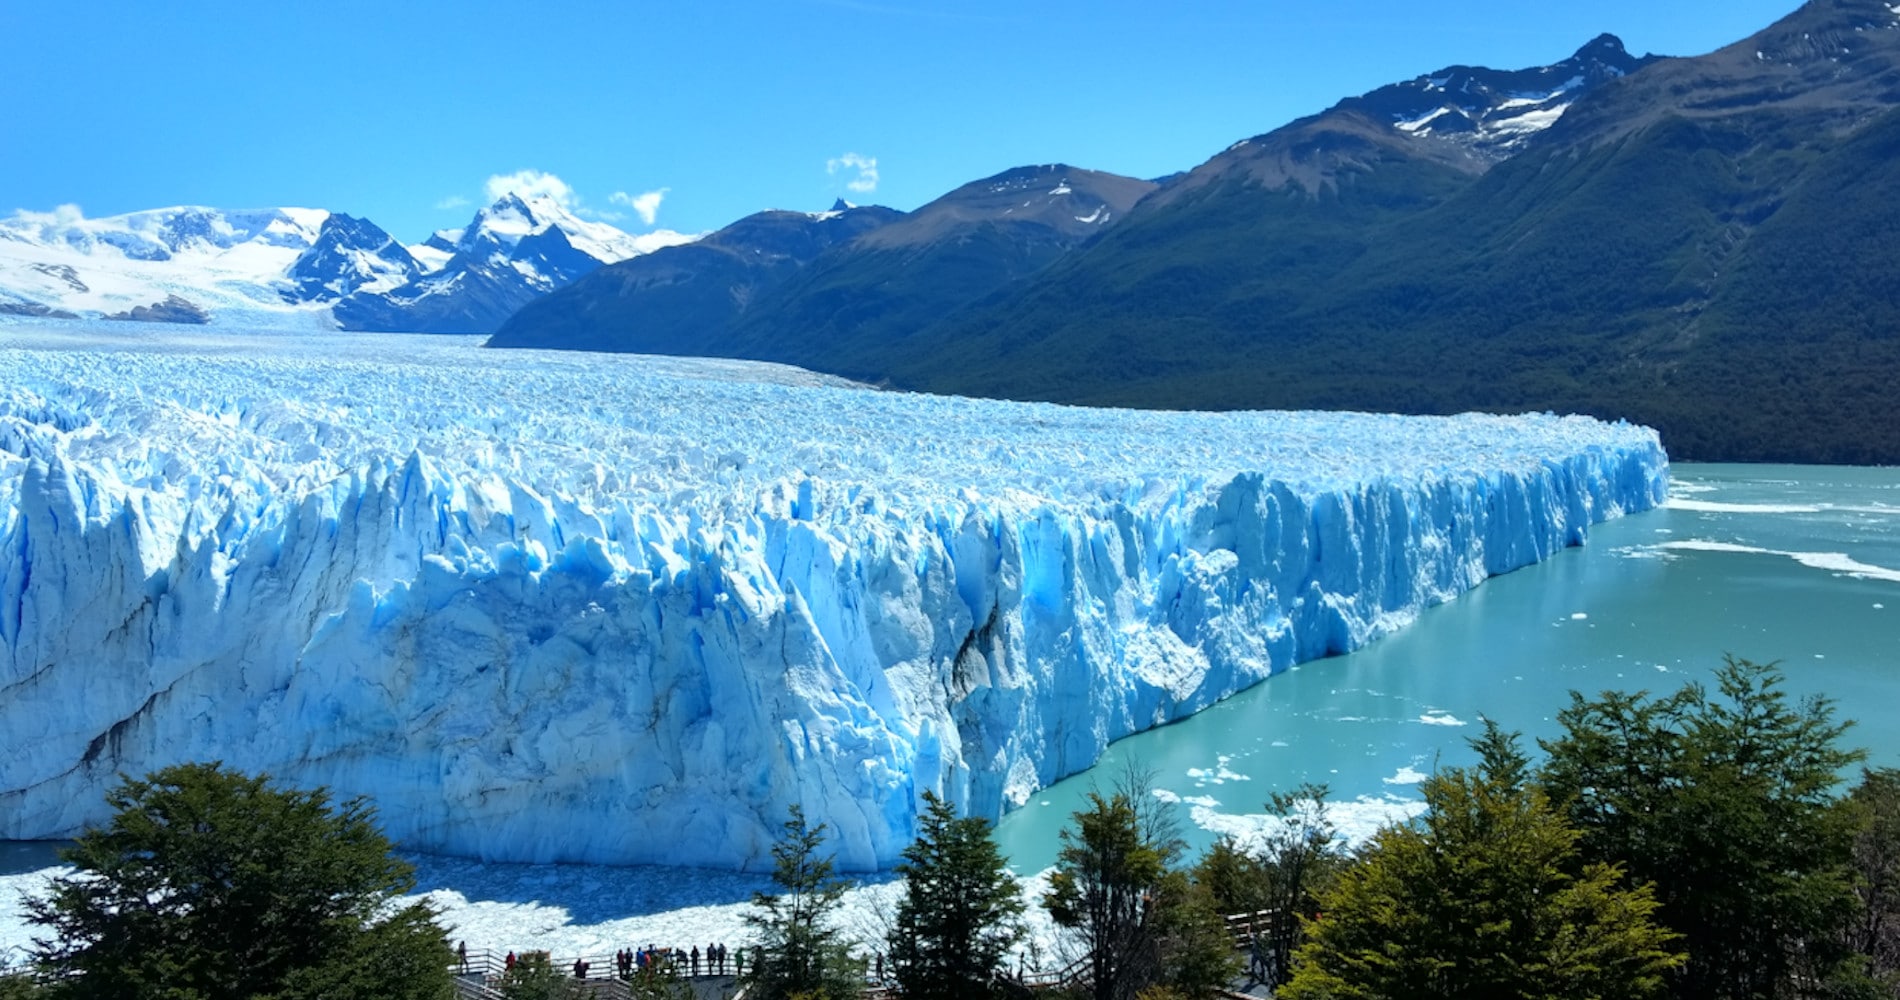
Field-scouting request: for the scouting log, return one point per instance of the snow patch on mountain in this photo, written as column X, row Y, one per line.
column 513, row 219
column 1494, row 112
column 511, row 252
column 231, row 264
column 619, row 608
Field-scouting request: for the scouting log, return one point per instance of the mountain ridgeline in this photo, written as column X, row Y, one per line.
column 679, row 292
column 1701, row 244
column 845, row 284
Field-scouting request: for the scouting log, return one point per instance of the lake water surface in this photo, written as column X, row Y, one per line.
column 1787, row 563
column 1796, row 564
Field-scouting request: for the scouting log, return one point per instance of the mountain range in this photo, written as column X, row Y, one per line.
column 865, row 304
column 1701, row 244
column 302, row 267
column 832, row 280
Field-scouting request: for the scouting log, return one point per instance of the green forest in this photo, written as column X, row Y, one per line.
column 1703, row 844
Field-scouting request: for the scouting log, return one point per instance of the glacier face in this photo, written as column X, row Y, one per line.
column 550, row 606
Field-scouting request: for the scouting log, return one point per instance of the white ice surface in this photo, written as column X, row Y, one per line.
column 616, row 608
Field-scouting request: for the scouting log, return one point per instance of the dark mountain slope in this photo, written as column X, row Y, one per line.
column 1832, row 63
column 844, row 294
column 1656, row 260
column 684, row 299
column 1339, row 183
column 860, row 305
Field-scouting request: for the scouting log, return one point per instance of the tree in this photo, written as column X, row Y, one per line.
column 800, row 953
column 1283, row 877
column 660, row 981
column 1234, row 877
column 1875, row 929
column 1103, row 887
column 1727, row 805
column 1197, row 952
column 1142, row 923
column 1301, row 856
column 16, row 985
column 961, row 911
column 1481, row 898
column 210, row 884
column 534, row 977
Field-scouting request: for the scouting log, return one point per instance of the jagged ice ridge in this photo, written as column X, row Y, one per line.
column 629, row 609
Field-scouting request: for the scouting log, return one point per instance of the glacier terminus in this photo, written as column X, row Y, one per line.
column 558, row 606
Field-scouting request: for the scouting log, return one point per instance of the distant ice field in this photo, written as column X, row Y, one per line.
column 610, row 608
column 611, row 427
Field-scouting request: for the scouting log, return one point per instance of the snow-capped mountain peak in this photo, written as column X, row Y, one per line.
column 302, row 267
column 513, row 250
column 505, row 222
column 160, row 234
column 1492, row 112
column 502, row 226
column 350, row 255
column 213, row 261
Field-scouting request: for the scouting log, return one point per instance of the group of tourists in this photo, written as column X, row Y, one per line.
column 714, row 960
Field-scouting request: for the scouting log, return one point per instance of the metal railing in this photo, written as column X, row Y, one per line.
column 485, row 968
column 1244, row 927
column 480, row 973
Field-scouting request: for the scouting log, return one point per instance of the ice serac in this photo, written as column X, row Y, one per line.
column 632, row 609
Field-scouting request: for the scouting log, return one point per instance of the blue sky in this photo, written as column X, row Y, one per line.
column 409, row 112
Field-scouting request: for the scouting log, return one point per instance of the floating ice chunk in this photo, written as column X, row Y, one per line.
column 1353, row 822
column 1834, row 562
column 1714, row 507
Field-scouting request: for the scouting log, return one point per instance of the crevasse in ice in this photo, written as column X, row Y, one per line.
column 619, row 609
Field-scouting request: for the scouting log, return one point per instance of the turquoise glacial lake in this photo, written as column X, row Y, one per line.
column 1794, row 564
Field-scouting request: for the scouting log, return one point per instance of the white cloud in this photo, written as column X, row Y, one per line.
column 61, row 216
column 646, row 205
column 532, row 184
column 451, row 202
column 866, row 180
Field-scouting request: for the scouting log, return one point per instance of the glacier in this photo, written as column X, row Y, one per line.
column 622, row 609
